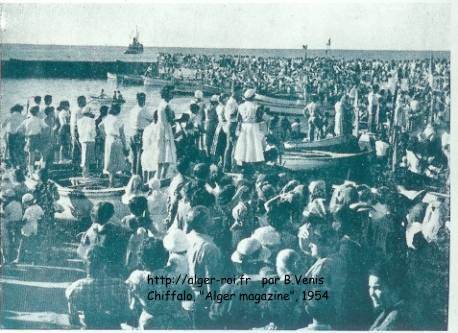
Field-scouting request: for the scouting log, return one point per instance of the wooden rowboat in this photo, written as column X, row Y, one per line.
column 155, row 82
column 344, row 143
column 319, row 160
column 286, row 106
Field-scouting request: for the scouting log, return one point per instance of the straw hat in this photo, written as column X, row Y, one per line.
column 176, row 241
column 246, row 248
column 267, row 236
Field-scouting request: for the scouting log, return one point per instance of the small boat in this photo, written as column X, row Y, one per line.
column 101, row 99
column 135, row 47
column 189, row 87
column 344, row 143
column 287, row 106
column 132, row 79
column 155, row 82
column 320, row 160
column 112, row 76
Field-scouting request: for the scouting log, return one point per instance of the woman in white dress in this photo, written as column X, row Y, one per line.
column 162, row 151
column 115, row 144
column 148, row 157
column 250, row 143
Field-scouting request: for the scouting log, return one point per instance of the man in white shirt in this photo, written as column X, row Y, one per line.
column 75, row 115
column 32, row 128
column 139, row 118
column 372, row 105
column 230, row 116
column 87, row 133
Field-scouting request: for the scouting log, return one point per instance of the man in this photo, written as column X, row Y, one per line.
column 97, row 301
column 210, row 122
column 385, row 293
column 87, row 133
column 32, row 128
column 139, row 118
column 372, row 107
column 37, row 101
column 200, row 115
column 312, row 112
column 110, row 236
column 204, row 259
column 14, row 140
column 231, row 118
column 75, row 115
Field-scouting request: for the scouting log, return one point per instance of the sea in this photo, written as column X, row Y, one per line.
column 13, row 91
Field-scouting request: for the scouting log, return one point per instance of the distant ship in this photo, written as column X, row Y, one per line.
column 135, row 47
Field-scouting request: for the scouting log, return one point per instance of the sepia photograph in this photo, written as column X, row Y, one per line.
column 225, row 165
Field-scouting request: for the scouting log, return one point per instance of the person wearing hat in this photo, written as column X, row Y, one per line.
column 87, row 133
column 210, row 123
column 249, row 147
column 32, row 128
column 32, row 218
column 237, row 313
column 63, row 132
column 15, row 140
column 176, row 242
column 163, row 313
column 11, row 220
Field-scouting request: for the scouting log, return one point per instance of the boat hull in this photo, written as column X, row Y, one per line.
column 293, row 107
column 132, row 79
column 344, row 143
column 155, row 82
column 321, row 160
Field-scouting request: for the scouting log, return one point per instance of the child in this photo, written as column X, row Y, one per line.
column 157, row 205
column 139, row 225
column 33, row 214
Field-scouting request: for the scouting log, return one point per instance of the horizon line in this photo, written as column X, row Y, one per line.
column 232, row 48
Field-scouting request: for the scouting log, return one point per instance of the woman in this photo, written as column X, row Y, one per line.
column 115, row 144
column 249, row 147
column 156, row 314
column 163, row 141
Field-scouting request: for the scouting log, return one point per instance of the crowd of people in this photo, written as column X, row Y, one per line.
column 380, row 246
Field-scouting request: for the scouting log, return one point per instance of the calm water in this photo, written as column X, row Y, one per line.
column 20, row 91
column 112, row 53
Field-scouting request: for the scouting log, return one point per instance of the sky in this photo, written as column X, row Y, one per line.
column 368, row 25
